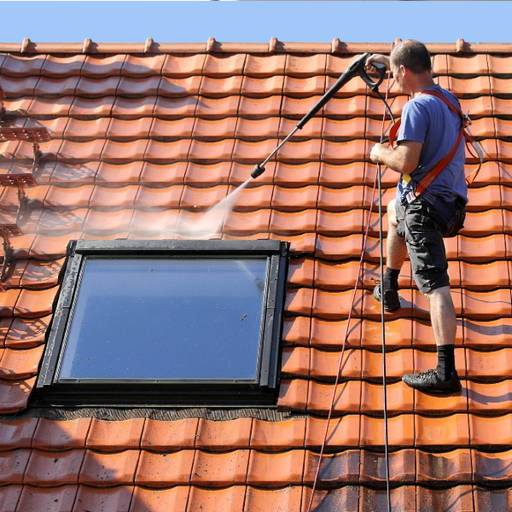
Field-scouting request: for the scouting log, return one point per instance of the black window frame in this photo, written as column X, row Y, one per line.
column 262, row 391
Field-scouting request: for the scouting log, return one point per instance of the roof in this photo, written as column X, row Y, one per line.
column 144, row 132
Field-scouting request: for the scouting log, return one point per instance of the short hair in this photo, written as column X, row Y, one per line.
column 413, row 55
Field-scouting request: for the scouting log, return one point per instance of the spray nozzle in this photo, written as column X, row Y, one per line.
column 257, row 171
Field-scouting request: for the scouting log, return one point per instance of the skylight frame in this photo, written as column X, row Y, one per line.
column 50, row 391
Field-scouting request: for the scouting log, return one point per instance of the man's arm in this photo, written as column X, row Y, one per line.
column 404, row 159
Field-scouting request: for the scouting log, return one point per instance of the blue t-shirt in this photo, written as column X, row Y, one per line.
column 428, row 120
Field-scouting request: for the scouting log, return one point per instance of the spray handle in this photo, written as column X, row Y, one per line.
column 356, row 67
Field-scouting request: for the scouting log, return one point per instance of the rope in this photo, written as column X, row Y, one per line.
column 347, row 330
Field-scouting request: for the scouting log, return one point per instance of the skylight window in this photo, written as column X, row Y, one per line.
column 166, row 322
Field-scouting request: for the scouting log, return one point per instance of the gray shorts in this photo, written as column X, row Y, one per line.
column 423, row 230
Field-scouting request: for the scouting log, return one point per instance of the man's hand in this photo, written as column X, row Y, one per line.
column 376, row 57
column 376, row 153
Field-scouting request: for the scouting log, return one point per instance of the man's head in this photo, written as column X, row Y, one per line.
column 413, row 55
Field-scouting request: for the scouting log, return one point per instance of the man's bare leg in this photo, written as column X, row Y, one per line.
column 396, row 250
column 442, row 315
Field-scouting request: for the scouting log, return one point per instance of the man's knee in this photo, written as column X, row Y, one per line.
column 442, row 293
column 392, row 213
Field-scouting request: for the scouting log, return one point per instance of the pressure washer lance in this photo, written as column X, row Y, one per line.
column 356, row 68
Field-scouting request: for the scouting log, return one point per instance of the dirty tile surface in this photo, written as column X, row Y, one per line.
column 140, row 140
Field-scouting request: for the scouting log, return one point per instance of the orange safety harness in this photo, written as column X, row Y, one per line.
column 441, row 165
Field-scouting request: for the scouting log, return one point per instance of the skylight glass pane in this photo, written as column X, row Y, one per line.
column 166, row 319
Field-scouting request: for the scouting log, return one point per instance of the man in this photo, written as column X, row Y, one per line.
column 427, row 134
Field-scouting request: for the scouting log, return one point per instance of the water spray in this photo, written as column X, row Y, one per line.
column 356, row 68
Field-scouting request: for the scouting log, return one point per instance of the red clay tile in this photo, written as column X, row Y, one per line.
column 166, row 152
column 340, row 175
column 164, row 435
column 81, row 108
column 487, row 305
column 183, row 65
column 230, row 499
column 399, row 398
column 293, row 222
column 293, row 395
column 223, row 66
column 134, row 108
column 48, row 247
column 337, row 469
column 247, row 129
column 57, row 499
column 18, row 87
column 73, row 174
column 103, row 500
column 299, row 244
column 16, row 434
column 313, row 129
column 74, row 152
column 304, row 87
column 331, row 334
column 205, row 151
column 305, row 66
column 223, row 435
column 300, row 272
column 214, row 129
column 422, row 334
column 493, row 364
column 97, row 87
column 262, row 87
column 12, row 466
column 482, row 223
column 324, row 365
column 217, row 108
column 174, row 88
column 341, row 223
column 259, row 500
column 432, row 405
column 143, row 66
column 106, row 470
column 297, row 108
column 114, row 436
column 344, row 498
column 156, row 198
column 34, row 304
column 486, row 276
column 100, row 66
column 220, row 470
column 295, row 362
column 156, row 174
column 482, row 249
column 296, row 175
column 278, row 436
column 61, row 435
column 123, row 152
column 436, row 468
column 21, row 65
column 487, row 431
column 215, row 87
column 489, row 398
column 455, row 498
column 402, row 467
column 259, row 108
column 424, row 360
column 347, row 398
column 400, row 431
column 175, row 108
column 470, row 87
column 494, row 499
column 264, row 65
column 153, row 223
column 345, row 108
column 250, row 199
column 491, row 468
column 118, row 174
column 492, row 334
column 299, row 301
column 293, row 199
column 164, row 469
column 60, row 198
column 126, row 130
column 169, row 130
column 467, row 65
column 248, row 151
column 207, row 175
column 343, row 152
column 478, row 107
column 492, row 149
column 275, row 469
column 355, row 87
column 105, row 223
column 148, row 500
column 339, row 248
column 20, row 364
column 453, row 430
column 499, row 86
column 48, row 469
column 484, row 198
column 398, row 363
column 244, row 223
column 296, row 331
column 138, row 87
column 8, row 300
column 55, row 87
column 342, row 432
column 110, row 199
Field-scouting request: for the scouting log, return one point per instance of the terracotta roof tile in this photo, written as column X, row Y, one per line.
column 82, row 108
column 103, row 500
column 106, row 470
column 97, row 87
column 211, row 500
column 13, row 464
column 58, row 499
column 146, row 500
column 220, row 470
column 142, row 66
column 15, row 434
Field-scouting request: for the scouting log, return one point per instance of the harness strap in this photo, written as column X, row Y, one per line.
column 440, row 166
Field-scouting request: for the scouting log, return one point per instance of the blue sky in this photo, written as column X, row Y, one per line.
column 256, row 21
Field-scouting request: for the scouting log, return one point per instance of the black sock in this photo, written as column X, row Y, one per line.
column 391, row 279
column 445, row 361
